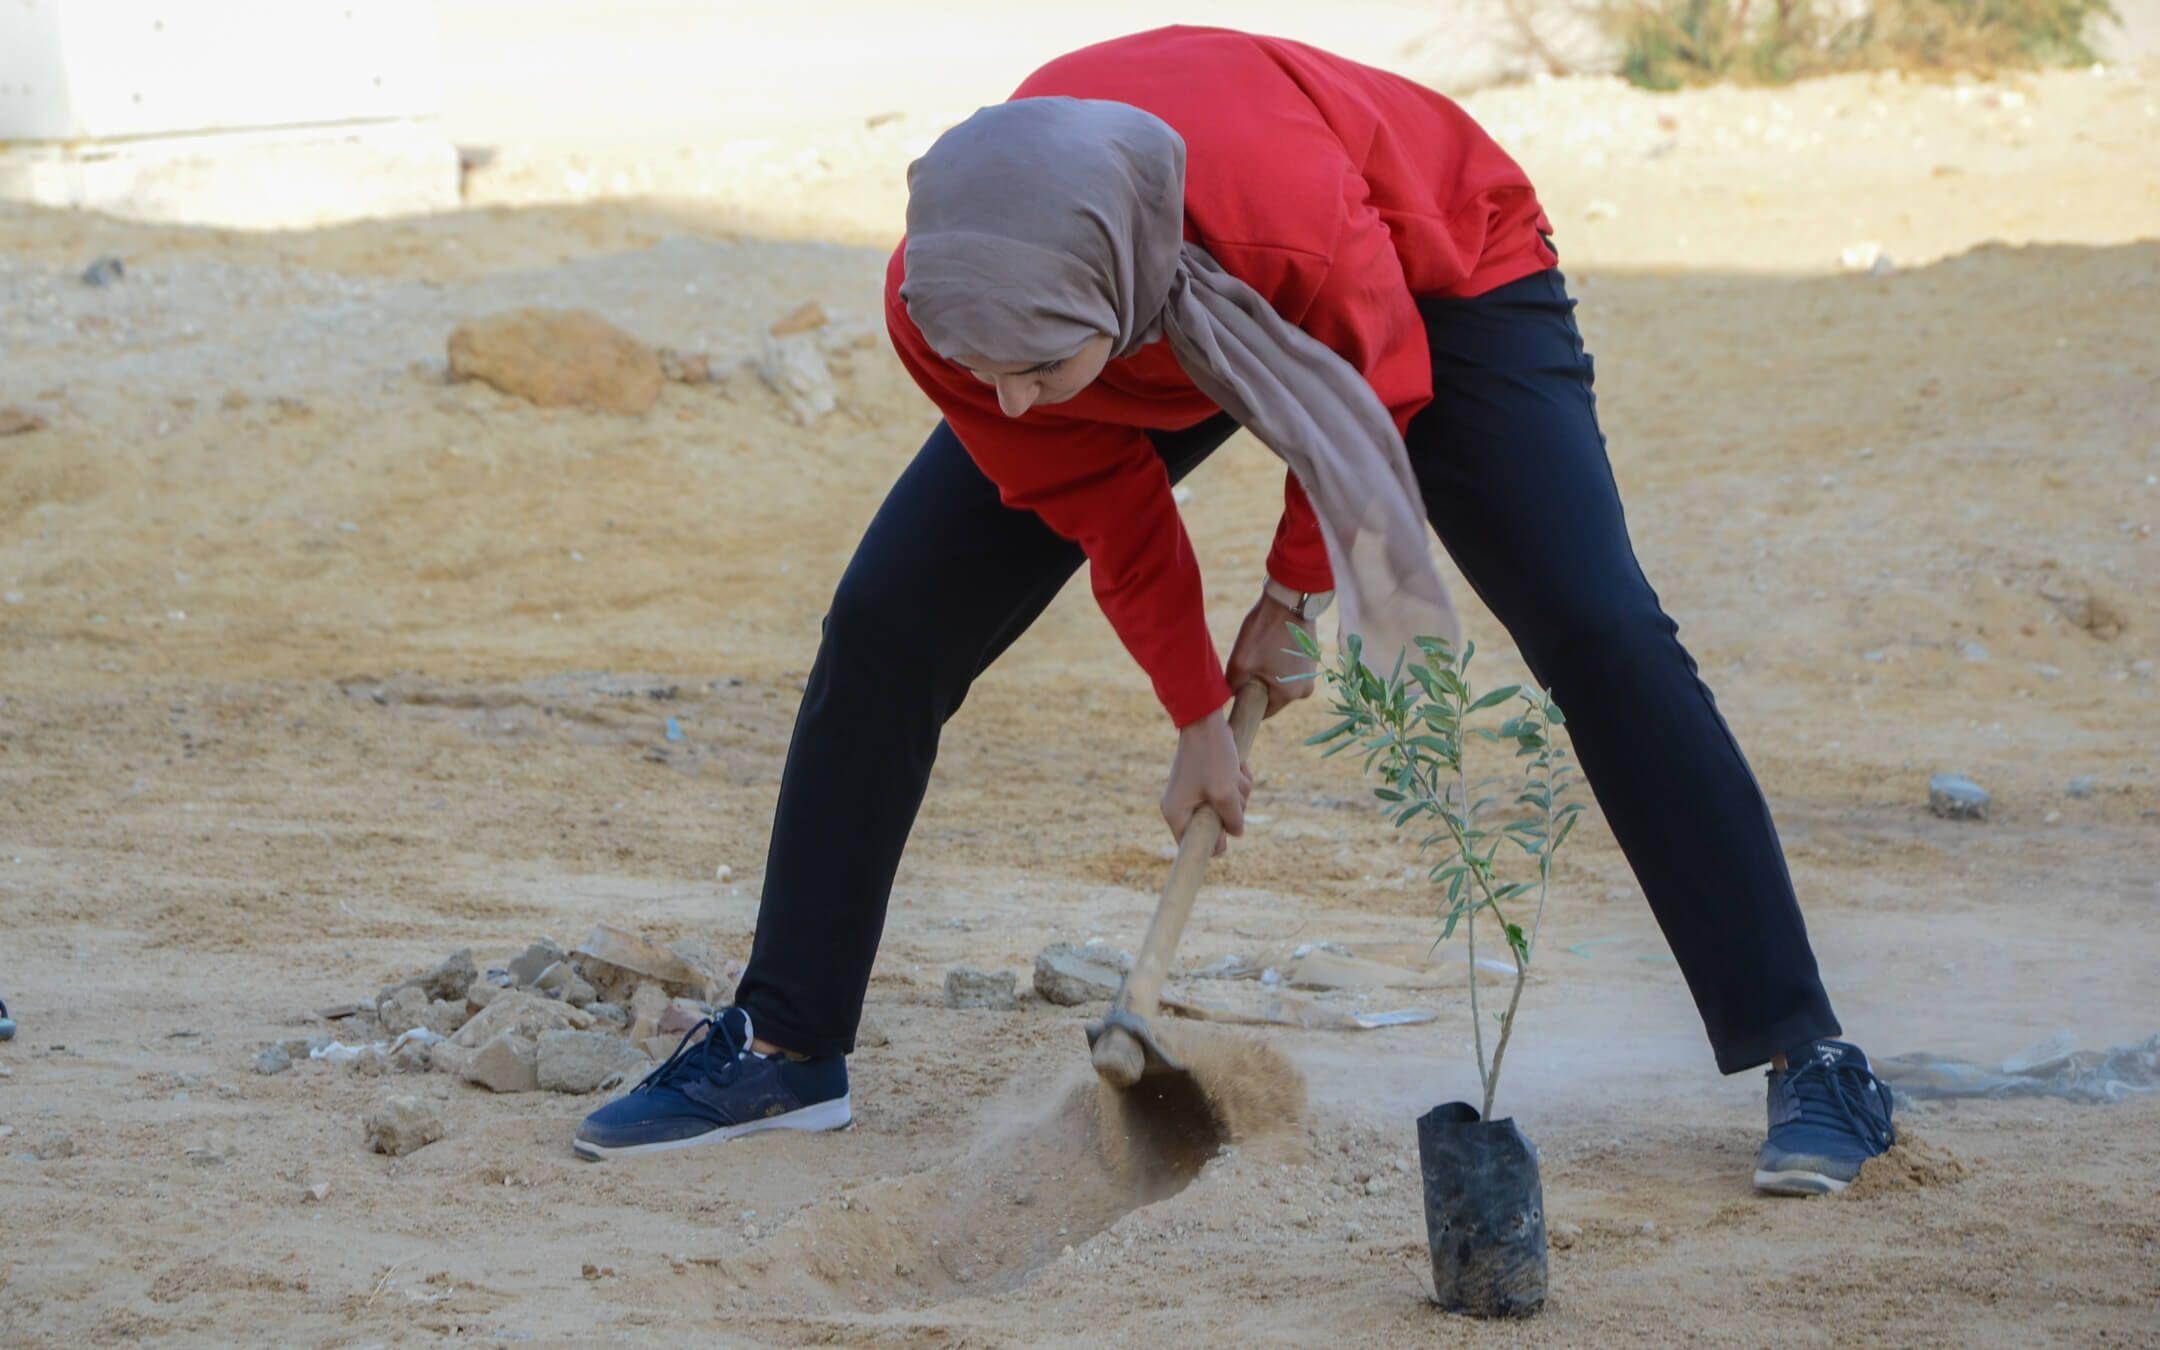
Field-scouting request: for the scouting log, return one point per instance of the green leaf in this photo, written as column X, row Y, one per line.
column 1497, row 696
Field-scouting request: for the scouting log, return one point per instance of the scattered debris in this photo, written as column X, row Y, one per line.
column 528, row 1015
column 1956, row 797
column 967, row 987
column 337, row 1012
column 398, row 1125
column 16, row 421
column 560, row 981
column 508, row 1062
column 527, row 966
column 585, row 1061
column 104, row 272
column 1070, row 976
column 214, row 1151
column 795, row 368
column 614, row 962
column 871, row 1031
column 558, row 358
column 2078, row 603
column 448, row 981
column 276, row 1059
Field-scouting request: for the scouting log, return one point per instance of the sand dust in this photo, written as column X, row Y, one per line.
column 314, row 668
column 1912, row 1164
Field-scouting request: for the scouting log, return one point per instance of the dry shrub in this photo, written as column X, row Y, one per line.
column 1666, row 44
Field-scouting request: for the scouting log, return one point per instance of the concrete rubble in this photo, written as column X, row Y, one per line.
column 1070, row 976
column 398, row 1125
column 967, row 987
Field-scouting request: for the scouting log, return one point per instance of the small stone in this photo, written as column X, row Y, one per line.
column 1564, row 1235
column 528, row 966
column 507, row 1063
column 55, row 1145
column 871, row 1031
column 1065, row 976
column 801, row 319
column 585, row 1061
column 561, row 981
column 610, row 1014
column 397, row 1125
column 16, row 421
column 558, row 358
column 2046, row 671
column 276, row 1059
column 316, row 1193
column 1376, row 1186
column 1353, row 1232
column 412, row 1056
column 967, row 987
column 646, row 1005
column 526, row 1014
column 1971, row 650
column 679, row 1016
column 796, row 370
column 215, row 1151
column 723, row 873
column 406, row 1007
column 104, row 272
column 2082, row 786
column 1956, row 797
column 369, row 1062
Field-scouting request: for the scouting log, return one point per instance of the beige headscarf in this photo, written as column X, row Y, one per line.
column 1038, row 223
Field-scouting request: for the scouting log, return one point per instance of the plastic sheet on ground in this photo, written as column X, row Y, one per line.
column 2052, row 1068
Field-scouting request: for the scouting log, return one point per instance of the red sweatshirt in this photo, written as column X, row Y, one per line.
column 1338, row 192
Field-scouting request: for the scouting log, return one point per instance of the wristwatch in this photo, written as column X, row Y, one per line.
column 1307, row 605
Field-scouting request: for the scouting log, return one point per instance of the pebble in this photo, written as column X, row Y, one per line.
column 1376, row 1186
column 1565, row 1235
column 2082, row 786
column 1956, row 797
column 104, row 272
column 275, row 1059
column 795, row 368
column 967, row 987
column 528, row 966
column 1065, row 975
column 584, row 1061
column 1971, row 650
column 398, row 1125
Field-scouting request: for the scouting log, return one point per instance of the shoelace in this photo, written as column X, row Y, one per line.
column 694, row 1056
column 1844, row 1094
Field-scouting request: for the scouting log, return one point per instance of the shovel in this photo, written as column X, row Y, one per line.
column 1123, row 1043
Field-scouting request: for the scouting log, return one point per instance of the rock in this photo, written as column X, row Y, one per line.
column 871, row 1031
column 397, row 1125
column 967, row 987
column 614, row 962
column 1956, row 797
column 679, row 1016
column 413, row 1056
column 481, row 994
column 315, row 1193
column 646, row 1005
column 276, row 1059
column 214, row 1151
column 796, row 370
column 445, row 1016
column 560, row 981
column 368, row 1062
column 609, row 1014
column 2082, row 786
column 16, row 421
column 1565, row 1235
column 1065, row 976
column 55, row 1145
column 508, row 1063
column 528, row 1015
column 529, row 965
column 801, row 319
column 403, row 1008
column 1860, row 257
column 717, row 971
column 584, row 1061
column 558, row 358
column 104, row 272
column 2078, row 603
column 1971, row 650
column 447, row 982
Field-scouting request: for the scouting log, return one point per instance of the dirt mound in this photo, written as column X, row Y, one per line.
column 1033, row 1187
column 1912, row 1164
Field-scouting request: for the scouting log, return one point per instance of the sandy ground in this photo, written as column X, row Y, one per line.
column 257, row 495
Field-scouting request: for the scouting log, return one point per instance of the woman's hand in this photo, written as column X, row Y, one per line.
column 1266, row 652
column 1207, row 771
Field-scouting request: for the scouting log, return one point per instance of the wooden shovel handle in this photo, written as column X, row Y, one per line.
column 1144, row 986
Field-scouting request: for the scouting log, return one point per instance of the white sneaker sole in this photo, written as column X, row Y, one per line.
column 1798, row 1183
column 836, row 1114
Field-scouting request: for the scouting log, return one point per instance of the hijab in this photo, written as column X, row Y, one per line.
column 1038, row 223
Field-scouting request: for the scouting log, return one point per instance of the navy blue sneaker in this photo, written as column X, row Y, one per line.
column 1829, row 1113
column 7, row 1023
column 715, row 1087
